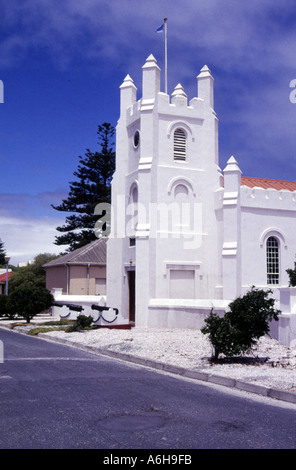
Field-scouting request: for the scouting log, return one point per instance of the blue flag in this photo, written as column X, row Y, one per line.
column 160, row 29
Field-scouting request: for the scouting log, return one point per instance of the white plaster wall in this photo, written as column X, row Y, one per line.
column 259, row 221
column 154, row 170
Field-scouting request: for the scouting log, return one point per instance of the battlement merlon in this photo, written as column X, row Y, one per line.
column 128, row 95
column 150, row 79
column 205, row 86
column 232, row 176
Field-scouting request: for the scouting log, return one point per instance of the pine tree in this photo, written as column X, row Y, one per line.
column 93, row 186
column 2, row 253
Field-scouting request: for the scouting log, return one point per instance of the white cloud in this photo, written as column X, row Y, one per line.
column 28, row 224
column 112, row 27
column 24, row 238
column 249, row 46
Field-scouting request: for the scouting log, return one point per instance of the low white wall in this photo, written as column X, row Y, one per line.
column 182, row 313
column 85, row 301
column 284, row 330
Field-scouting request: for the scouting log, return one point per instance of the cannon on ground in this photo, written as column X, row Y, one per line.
column 101, row 309
column 76, row 308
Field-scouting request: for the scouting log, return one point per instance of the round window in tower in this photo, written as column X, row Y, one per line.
column 136, row 139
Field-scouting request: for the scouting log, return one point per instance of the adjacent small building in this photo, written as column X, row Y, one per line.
column 80, row 272
column 3, row 279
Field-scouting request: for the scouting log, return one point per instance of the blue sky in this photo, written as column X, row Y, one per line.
column 62, row 63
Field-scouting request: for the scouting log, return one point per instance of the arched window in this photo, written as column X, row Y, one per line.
column 179, row 144
column 134, row 194
column 133, row 212
column 272, row 260
column 181, row 193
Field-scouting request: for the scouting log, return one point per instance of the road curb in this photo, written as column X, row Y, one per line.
column 188, row 373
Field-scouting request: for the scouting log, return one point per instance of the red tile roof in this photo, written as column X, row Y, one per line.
column 268, row 183
column 3, row 276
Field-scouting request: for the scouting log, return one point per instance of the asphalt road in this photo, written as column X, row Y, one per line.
column 56, row 397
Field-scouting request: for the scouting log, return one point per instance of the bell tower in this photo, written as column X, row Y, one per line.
column 162, row 253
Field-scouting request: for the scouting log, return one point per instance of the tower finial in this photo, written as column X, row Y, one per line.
column 151, row 78
column 128, row 93
column 205, row 86
column 179, row 91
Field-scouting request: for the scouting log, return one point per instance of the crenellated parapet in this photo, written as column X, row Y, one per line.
column 177, row 103
column 272, row 199
column 165, row 104
column 243, row 190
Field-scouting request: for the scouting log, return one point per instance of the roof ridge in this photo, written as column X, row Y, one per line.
column 84, row 249
column 76, row 256
column 3, row 276
column 266, row 179
column 268, row 183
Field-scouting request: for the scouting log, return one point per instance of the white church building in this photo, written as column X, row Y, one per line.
column 187, row 236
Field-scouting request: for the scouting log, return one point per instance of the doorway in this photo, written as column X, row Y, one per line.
column 132, row 294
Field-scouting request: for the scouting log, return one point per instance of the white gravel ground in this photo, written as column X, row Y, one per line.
column 191, row 349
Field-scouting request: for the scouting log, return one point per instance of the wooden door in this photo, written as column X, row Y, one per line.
column 132, row 294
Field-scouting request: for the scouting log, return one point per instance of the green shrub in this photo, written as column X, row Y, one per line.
column 240, row 328
column 82, row 322
column 292, row 276
column 29, row 301
column 3, row 306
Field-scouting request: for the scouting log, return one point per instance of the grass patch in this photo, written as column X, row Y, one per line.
column 74, row 328
column 57, row 325
column 45, row 327
column 46, row 323
column 15, row 325
column 36, row 331
column 57, row 322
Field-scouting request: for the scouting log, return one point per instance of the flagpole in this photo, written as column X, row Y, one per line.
column 166, row 53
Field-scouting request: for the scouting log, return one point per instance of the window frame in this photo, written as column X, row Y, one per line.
column 180, row 145
column 273, row 260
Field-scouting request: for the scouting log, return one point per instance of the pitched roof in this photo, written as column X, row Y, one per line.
column 93, row 253
column 3, row 276
column 268, row 183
